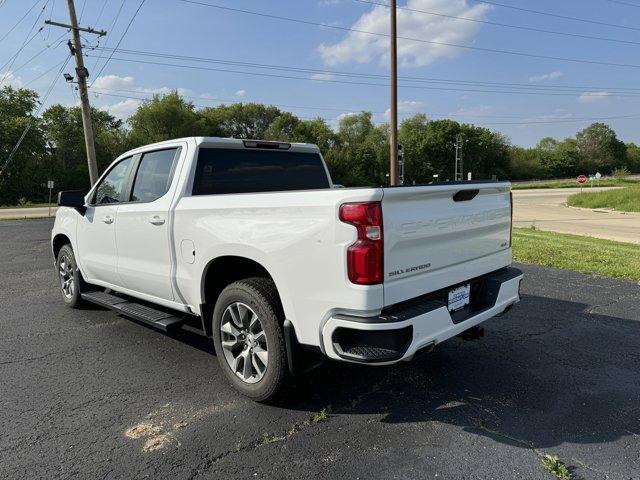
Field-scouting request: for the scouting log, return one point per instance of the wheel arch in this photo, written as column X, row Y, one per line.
column 59, row 241
column 222, row 271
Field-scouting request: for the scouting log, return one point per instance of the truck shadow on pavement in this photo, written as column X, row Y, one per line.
column 547, row 373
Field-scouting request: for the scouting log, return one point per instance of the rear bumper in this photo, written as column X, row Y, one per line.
column 399, row 332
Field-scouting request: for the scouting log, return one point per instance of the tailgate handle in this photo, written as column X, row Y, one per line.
column 465, row 195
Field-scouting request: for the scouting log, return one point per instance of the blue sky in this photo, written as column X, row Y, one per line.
column 544, row 96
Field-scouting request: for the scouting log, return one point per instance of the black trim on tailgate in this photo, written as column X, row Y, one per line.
column 484, row 293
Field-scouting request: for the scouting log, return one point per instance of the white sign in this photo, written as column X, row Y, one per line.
column 50, row 184
column 459, row 297
column 598, row 175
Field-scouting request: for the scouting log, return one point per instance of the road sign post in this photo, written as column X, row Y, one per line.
column 582, row 179
column 50, row 187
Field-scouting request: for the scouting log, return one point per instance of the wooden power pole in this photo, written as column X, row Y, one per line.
column 393, row 110
column 82, row 74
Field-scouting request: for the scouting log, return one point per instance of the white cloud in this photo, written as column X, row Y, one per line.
column 124, row 109
column 365, row 48
column 546, row 76
column 241, row 93
column 113, row 82
column 165, row 90
column 406, row 107
column 594, row 97
column 335, row 122
column 9, row 78
column 323, row 76
column 472, row 112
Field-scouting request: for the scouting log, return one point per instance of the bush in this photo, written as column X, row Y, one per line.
column 621, row 173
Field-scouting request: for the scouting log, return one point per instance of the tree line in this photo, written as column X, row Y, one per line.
column 356, row 151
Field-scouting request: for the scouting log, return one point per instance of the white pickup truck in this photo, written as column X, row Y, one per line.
column 250, row 243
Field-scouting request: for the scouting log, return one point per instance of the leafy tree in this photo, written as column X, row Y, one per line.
column 361, row 153
column 524, row 164
column 22, row 177
column 239, row 120
column 600, row 149
column 65, row 134
column 412, row 135
column 165, row 117
column 633, row 157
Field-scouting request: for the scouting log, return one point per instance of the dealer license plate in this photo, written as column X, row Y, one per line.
column 459, row 297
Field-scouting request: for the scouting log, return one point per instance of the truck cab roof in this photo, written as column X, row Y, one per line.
column 221, row 142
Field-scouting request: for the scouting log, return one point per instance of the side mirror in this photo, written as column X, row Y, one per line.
column 73, row 199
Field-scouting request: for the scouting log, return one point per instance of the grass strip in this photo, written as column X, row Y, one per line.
column 622, row 200
column 577, row 253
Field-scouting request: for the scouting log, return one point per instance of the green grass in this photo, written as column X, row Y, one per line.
column 553, row 465
column 622, row 199
column 608, row 182
column 581, row 254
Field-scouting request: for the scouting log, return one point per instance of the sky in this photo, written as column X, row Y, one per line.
column 527, row 74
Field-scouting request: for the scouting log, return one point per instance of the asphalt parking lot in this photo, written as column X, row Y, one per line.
column 88, row 394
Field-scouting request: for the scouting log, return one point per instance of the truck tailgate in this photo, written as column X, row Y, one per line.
column 440, row 235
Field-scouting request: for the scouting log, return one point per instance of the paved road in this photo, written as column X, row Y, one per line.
column 546, row 209
column 87, row 394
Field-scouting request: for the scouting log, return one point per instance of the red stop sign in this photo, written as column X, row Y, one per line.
column 582, row 179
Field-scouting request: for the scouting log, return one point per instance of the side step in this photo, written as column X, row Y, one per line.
column 149, row 316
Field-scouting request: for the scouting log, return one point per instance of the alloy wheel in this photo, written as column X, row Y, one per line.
column 65, row 272
column 244, row 342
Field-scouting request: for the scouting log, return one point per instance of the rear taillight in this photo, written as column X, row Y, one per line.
column 365, row 256
column 511, row 221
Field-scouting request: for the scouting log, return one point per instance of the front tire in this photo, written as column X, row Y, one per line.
column 248, row 338
column 69, row 277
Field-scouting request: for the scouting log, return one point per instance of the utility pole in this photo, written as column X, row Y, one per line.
column 82, row 74
column 393, row 111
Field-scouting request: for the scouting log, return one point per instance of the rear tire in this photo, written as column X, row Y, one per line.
column 69, row 277
column 248, row 338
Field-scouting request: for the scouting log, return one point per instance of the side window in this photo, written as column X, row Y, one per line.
column 112, row 186
column 154, row 175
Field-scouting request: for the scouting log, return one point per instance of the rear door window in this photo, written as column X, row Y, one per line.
column 154, row 175
column 221, row 171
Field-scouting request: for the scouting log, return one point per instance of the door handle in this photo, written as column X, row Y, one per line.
column 108, row 219
column 156, row 220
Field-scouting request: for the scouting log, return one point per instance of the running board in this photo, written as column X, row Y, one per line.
column 149, row 316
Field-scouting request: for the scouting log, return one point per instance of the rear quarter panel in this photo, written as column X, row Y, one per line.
column 296, row 236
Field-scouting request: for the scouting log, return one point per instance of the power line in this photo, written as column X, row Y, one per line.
column 556, row 15
column 20, row 20
column 316, row 71
column 100, row 91
column 346, row 82
column 442, row 116
column 9, row 63
column 104, row 4
column 25, row 42
column 619, row 2
column 36, row 113
column 42, row 74
column 53, row 4
column 57, row 42
column 119, row 41
column 430, row 42
column 113, row 24
column 505, row 25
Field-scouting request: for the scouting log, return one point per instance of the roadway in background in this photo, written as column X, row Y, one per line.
column 546, row 210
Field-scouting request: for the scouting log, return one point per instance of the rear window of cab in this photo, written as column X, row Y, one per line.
column 222, row 171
